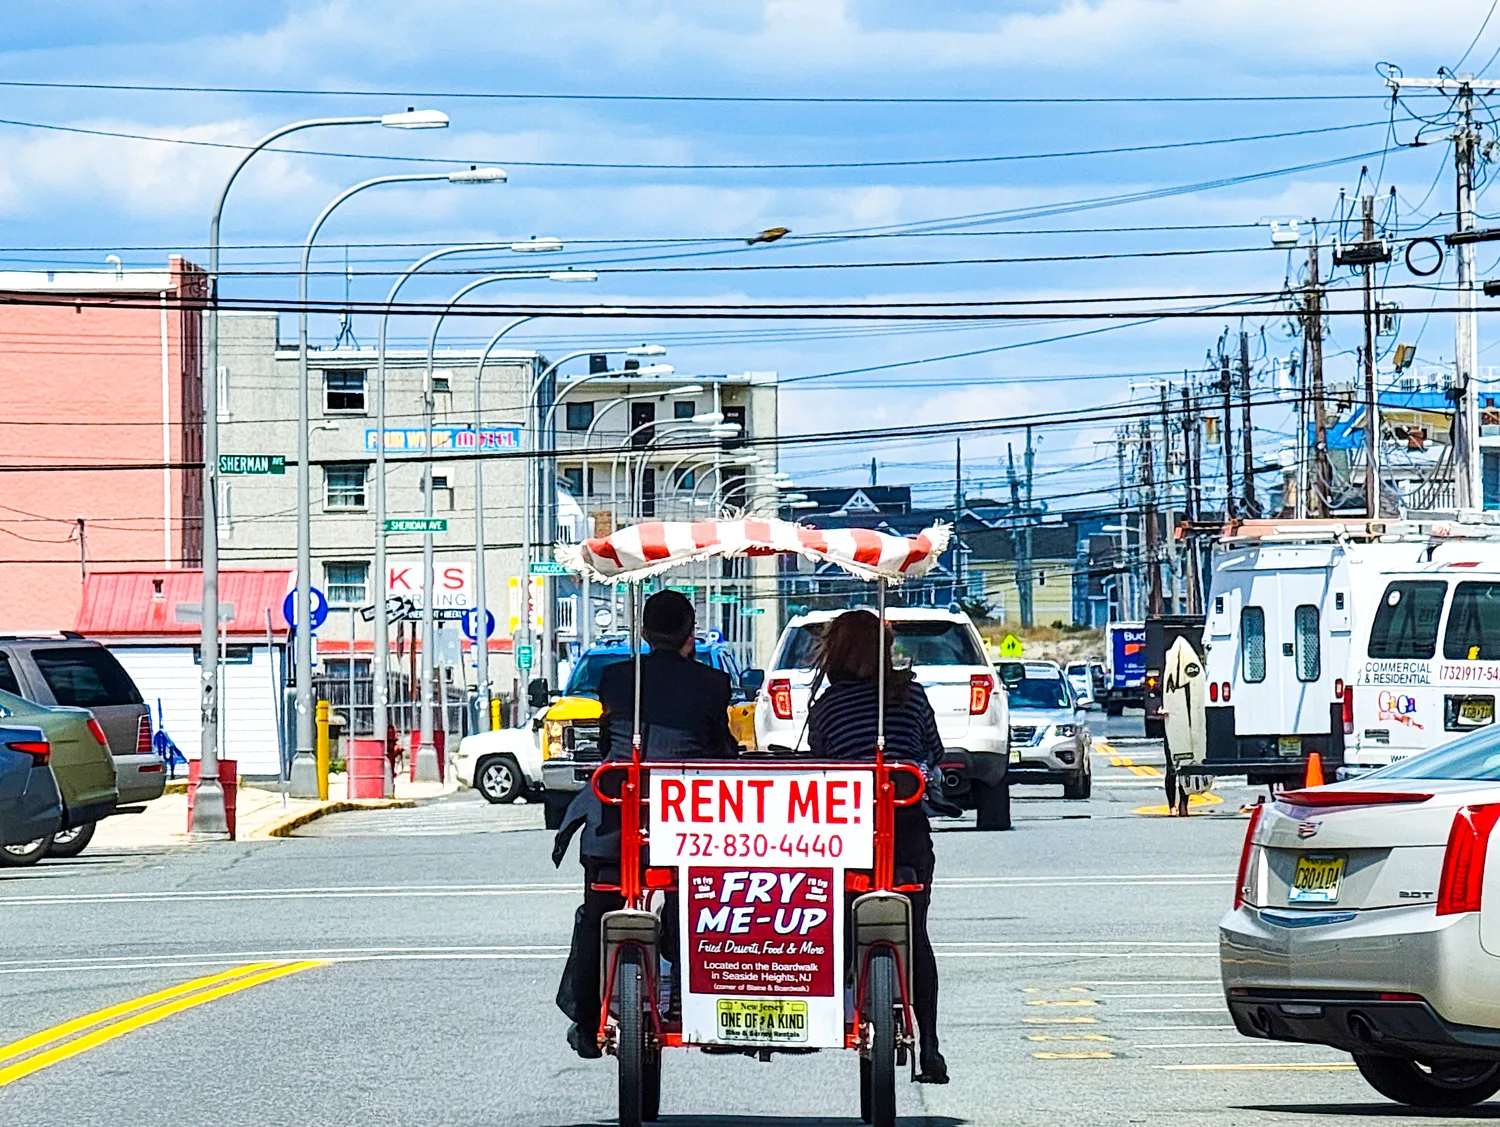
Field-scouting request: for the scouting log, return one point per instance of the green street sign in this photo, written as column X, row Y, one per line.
column 752, row 610
column 524, row 655
column 233, row 464
column 685, row 588
column 724, row 597
column 416, row 524
column 547, row 567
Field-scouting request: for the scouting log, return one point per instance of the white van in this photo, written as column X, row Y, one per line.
column 1428, row 653
column 1279, row 642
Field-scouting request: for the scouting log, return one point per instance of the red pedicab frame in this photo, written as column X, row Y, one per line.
column 882, row 1029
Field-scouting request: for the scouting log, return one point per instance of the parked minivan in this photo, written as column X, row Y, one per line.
column 73, row 671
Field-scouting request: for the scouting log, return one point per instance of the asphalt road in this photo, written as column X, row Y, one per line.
column 411, row 957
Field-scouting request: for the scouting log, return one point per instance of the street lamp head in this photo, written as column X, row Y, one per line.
column 646, row 350
column 653, row 370
column 690, row 389
column 572, row 276
column 535, row 245
column 724, row 430
column 803, row 505
column 707, row 418
column 793, row 498
column 746, row 460
column 476, row 175
column 415, row 119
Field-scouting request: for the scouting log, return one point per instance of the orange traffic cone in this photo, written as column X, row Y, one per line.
column 1314, row 770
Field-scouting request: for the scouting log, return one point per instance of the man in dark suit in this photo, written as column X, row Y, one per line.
column 684, row 715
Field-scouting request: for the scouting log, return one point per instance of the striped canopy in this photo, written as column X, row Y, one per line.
column 641, row 550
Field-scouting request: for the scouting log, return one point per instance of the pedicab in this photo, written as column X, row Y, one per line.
column 776, row 865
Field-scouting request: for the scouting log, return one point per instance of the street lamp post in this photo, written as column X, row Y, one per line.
column 209, row 817
column 304, row 773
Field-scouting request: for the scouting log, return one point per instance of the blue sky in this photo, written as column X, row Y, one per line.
column 61, row 190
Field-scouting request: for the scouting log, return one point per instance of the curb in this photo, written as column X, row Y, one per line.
column 285, row 826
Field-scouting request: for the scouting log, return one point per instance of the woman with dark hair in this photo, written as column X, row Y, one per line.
column 841, row 724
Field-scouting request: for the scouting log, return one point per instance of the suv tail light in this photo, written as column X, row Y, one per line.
column 981, row 688
column 1461, row 886
column 1213, row 691
column 1245, row 853
column 780, row 691
column 1225, row 692
column 1348, row 710
column 97, row 732
column 143, row 744
column 39, row 750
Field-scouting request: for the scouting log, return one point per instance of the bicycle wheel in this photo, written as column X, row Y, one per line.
column 882, row 1057
column 630, row 1048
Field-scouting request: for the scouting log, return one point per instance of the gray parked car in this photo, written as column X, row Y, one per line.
column 1049, row 732
column 30, row 805
column 73, row 671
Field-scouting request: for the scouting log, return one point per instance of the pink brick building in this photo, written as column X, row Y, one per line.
column 98, row 370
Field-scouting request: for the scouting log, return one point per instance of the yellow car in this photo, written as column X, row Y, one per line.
column 569, row 728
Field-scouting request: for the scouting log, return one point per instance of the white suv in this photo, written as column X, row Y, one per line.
column 947, row 656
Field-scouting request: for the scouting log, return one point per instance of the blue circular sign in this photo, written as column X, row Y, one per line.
column 468, row 624
column 715, row 636
column 319, row 607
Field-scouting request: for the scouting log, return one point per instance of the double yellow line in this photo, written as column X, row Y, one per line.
column 61, row 1042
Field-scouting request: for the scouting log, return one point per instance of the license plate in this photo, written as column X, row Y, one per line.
column 1289, row 745
column 1317, row 880
column 1476, row 712
column 760, row 1021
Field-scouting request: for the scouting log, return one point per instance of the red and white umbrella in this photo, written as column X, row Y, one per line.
column 647, row 549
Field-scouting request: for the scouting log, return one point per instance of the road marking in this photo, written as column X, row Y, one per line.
column 1059, row 1021
column 1068, row 1037
column 1194, row 801
column 1062, row 1002
column 1103, row 747
column 1074, row 1056
column 1054, row 989
column 116, row 1021
column 1155, row 772
column 332, row 955
column 1176, row 1010
column 1121, row 761
column 1211, row 994
column 1308, row 1067
column 1082, row 943
column 1247, row 1043
column 1160, row 1028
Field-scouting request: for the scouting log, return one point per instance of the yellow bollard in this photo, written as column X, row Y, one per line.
column 495, row 714
column 322, row 720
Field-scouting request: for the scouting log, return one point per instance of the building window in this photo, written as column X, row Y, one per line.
column 574, row 479
column 226, row 506
column 224, row 407
column 641, row 416
column 442, row 383
column 346, row 583
column 735, row 415
column 344, row 487
column 684, row 409
column 648, row 493
column 344, row 390
column 683, row 478
column 580, row 416
column 442, row 492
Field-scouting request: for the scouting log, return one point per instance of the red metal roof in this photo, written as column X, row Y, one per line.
column 144, row 603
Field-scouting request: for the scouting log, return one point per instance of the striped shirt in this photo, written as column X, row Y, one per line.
column 841, row 724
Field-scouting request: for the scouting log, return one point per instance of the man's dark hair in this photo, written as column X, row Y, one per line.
column 667, row 620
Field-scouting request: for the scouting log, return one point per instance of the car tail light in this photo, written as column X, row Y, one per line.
column 1224, row 692
column 661, row 878
column 1245, row 852
column 1400, row 996
column 1348, row 710
column 981, row 687
column 39, row 750
column 1461, row 886
column 780, row 691
column 97, row 732
column 1350, row 797
column 857, row 882
column 1338, row 689
column 143, row 743
column 1213, row 691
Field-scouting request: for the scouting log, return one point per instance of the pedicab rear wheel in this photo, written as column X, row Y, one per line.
column 877, row 1069
column 630, row 1047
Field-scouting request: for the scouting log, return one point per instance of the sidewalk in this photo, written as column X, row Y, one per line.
column 261, row 814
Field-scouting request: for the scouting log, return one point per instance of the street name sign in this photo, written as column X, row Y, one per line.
column 724, row 597
column 236, row 464
column 752, row 610
column 416, row 524
column 547, row 567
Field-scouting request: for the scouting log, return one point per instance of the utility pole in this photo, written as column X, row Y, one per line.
column 1467, row 488
column 1317, row 501
column 1192, row 474
column 1153, row 550
column 1027, row 592
column 958, row 512
column 1015, row 513
column 1251, row 506
column 1125, row 572
column 1226, row 386
column 1372, row 406
column 1174, row 604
